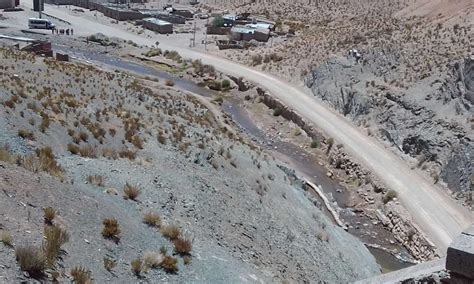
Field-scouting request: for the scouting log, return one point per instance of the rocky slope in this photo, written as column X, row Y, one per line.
column 430, row 120
column 248, row 220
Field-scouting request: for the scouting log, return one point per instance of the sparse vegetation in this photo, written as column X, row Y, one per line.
column 169, row 83
column 109, row 264
column 182, row 246
column 136, row 265
column 31, row 260
column 54, row 238
column 152, row 219
column 6, row 238
column 26, row 134
column 170, row 264
column 96, row 180
column 171, row 232
column 81, row 275
column 49, row 214
column 111, row 229
column 389, row 196
column 131, row 192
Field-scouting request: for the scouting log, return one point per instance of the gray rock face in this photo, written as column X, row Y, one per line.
column 460, row 256
column 426, row 120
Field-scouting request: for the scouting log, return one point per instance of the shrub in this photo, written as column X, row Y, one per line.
column 389, row 196
column 6, row 238
column 169, row 83
column 111, row 229
column 330, row 143
column 218, row 22
column 88, row 151
column 256, row 59
column 125, row 153
column 74, row 149
column 49, row 214
column 182, row 246
column 32, row 260
column 225, row 84
column 83, row 136
column 152, row 219
column 44, row 124
column 80, row 275
column 152, row 259
column 162, row 139
column 170, row 264
column 26, row 134
column 171, row 232
column 96, row 180
column 277, row 111
column 109, row 264
column 6, row 156
column 55, row 237
column 314, row 144
column 43, row 160
column 131, row 192
column 136, row 266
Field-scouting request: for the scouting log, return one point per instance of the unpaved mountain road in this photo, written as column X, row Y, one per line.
column 437, row 215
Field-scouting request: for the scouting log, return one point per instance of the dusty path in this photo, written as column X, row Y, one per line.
column 434, row 211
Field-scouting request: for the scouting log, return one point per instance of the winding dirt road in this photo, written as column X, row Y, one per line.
column 437, row 215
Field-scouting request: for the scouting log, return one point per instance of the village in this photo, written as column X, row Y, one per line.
column 192, row 24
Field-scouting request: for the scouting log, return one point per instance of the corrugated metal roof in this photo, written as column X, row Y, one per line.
column 242, row 30
column 157, row 21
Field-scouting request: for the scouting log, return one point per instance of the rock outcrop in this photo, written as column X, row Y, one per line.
column 424, row 122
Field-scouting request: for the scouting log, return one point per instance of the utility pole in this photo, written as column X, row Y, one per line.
column 40, row 3
column 194, row 34
column 205, row 37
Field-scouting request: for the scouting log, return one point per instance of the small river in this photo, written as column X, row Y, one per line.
column 285, row 151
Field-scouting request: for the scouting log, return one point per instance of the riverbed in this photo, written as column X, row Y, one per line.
column 298, row 158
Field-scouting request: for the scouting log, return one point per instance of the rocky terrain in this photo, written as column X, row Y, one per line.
column 84, row 150
column 408, row 80
column 430, row 121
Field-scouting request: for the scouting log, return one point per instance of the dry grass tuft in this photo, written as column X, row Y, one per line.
column 109, row 264
column 170, row 264
column 182, row 246
column 6, row 238
column 136, row 266
column 96, row 180
column 55, row 237
column 43, row 160
column 131, row 192
column 111, row 229
column 80, row 275
column 171, row 232
column 49, row 214
column 26, row 134
column 152, row 219
column 152, row 259
column 32, row 260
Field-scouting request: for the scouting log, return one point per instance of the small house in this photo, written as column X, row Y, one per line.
column 158, row 25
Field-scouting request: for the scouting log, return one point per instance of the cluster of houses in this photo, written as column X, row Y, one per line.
column 244, row 28
column 155, row 20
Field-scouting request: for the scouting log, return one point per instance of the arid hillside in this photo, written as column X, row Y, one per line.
column 113, row 178
column 402, row 70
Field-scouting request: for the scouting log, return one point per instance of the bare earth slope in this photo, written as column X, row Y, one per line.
column 247, row 219
column 435, row 212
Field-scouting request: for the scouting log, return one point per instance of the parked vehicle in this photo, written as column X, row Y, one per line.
column 34, row 23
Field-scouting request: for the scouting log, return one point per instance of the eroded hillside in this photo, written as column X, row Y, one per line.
column 92, row 145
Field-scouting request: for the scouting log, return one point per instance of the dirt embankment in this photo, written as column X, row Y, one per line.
column 108, row 133
column 369, row 190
